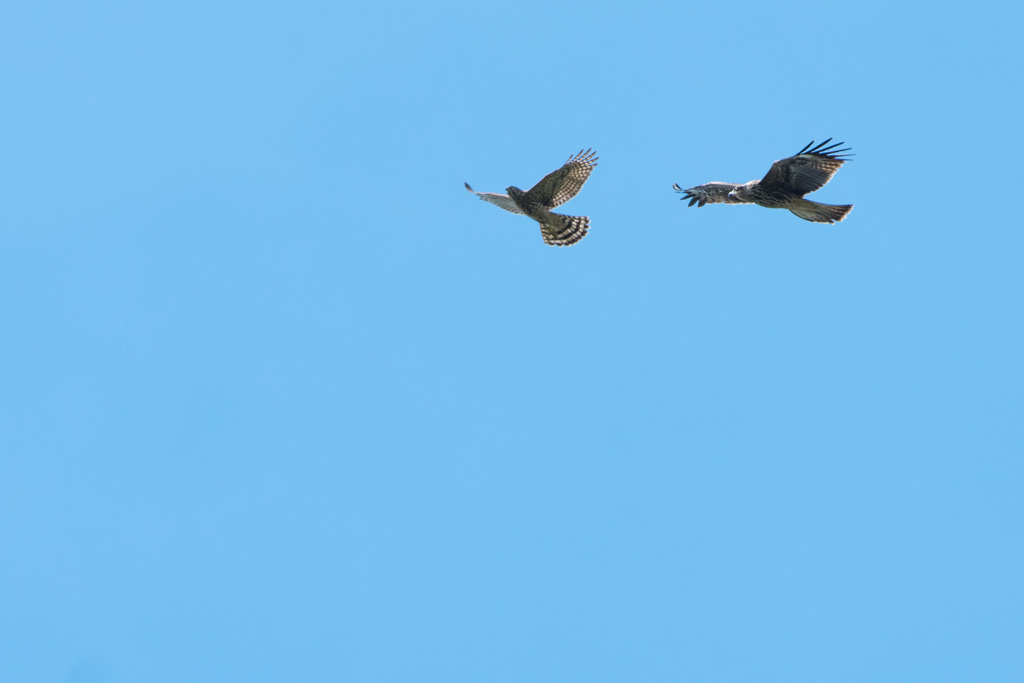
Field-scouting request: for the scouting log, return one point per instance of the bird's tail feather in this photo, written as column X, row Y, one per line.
column 561, row 231
column 820, row 213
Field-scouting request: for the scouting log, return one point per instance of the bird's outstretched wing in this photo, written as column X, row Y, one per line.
column 558, row 187
column 807, row 170
column 502, row 200
column 709, row 193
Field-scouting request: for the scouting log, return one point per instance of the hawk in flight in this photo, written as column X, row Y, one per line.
column 784, row 186
column 555, row 189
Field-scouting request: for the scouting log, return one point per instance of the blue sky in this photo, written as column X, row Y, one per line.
column 282, row 401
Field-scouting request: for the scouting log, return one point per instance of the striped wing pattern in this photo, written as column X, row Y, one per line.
column 558, row 187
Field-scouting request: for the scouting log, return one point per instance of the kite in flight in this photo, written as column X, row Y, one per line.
column 555, row 189
column 784, row 186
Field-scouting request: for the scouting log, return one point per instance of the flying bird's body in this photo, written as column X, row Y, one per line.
column 784, row 186
column 555, row 189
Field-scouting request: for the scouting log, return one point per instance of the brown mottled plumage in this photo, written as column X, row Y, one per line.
column 784, row 186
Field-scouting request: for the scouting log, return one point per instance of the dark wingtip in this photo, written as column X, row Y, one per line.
column 687, row 194
column 806, row 147
column 468, row 187
column 823, row 149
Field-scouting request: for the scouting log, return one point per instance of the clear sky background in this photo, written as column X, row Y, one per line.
column 281, row 401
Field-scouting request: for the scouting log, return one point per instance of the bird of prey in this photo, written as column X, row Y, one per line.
column 784, row 186
column 555, row 189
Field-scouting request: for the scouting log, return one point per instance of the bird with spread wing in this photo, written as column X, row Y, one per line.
column 555, row 189
column 784, row 186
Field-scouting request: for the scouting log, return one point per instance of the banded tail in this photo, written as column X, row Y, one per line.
column 568, row 229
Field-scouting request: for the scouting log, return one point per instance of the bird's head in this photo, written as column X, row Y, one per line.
column 513, row 191
column 741, row 193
